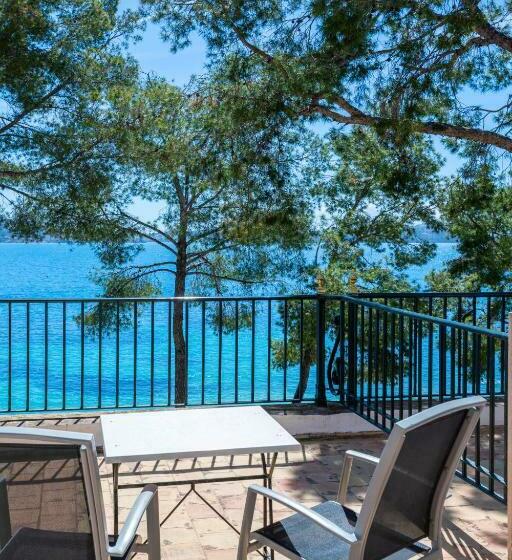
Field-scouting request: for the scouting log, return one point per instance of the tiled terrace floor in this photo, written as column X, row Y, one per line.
column 474, row 526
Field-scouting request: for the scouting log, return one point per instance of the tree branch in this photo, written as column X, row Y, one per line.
column 148, row 225
column 426, row 127
column 485, row 29
column 20, row 116
column 3, row 186
column 224, row 277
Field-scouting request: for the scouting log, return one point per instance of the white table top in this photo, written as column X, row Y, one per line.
column 197, row 432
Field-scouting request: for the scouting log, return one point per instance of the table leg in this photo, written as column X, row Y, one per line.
column 270, row 473
column 268, row 510
column 115, row 483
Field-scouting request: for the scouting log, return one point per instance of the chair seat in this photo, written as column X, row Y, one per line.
column 39, row 544
column 300, row 536
column 306, row 539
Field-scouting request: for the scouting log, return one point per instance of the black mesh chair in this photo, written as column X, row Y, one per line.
column 404, row 502
column 51, row 505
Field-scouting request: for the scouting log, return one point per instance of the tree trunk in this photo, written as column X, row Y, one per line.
column 180, row 350
column 303, row 380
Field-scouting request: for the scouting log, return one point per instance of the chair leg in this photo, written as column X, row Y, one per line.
column 153, row 529
column 243, row 543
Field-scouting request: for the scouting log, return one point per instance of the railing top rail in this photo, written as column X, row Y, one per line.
column 421, row 316
column 429, row 294
column 278, row 297
column 191, row 299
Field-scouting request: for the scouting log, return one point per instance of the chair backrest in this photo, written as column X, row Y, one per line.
column 49, row 481
column 406, row 495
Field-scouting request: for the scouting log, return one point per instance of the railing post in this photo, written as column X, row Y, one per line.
column 320, row 396
column 508, row 416
column 352, row 359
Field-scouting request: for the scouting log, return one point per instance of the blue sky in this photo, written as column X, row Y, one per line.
column 154, row 56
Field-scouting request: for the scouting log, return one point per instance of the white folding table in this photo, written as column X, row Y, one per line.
column 133, row 437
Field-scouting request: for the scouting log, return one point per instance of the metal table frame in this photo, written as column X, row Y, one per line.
column 267, row 466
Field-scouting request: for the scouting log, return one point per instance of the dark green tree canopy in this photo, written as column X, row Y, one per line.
column 404, row 65
column 403, row 69
column 59, row 63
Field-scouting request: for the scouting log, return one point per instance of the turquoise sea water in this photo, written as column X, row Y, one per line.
column 45, row 361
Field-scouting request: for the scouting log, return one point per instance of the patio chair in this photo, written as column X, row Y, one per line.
column 51, row 505
column 404, row 502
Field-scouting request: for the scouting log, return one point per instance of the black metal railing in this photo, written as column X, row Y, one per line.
column 486, row 309
column 399, row 362
column 78, row 354
column 384, row 356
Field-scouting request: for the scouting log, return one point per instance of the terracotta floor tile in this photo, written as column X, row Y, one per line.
column 474, row 524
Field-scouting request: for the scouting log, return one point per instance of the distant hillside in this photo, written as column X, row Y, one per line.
column 6, row 237
column 422, row 232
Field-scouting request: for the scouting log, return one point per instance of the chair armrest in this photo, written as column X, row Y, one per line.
column 305, row 512
column 350, row 455
column 146, row 500
column 364, row 457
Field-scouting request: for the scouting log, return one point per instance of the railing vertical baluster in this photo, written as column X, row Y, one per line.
column 430, row 373
column 100, row 352
column 342, row 356
column 459, row 347
column 27, row 395
column 269, row 346
column 320, row 397
column 219, row 379
column 492, row 404
column 419, row 365
column 376, row 368
column 369, row 385
column 442, row 362
column 9, row 356
column 410, row 370
column 203, row 350
column 385, row 364
column 465, row 349
column 187, row 324
column 452, row 362
column 488, row 323
column 253, row 335
column 415, row 350
column 360, row 397
column 285, row 351
column 352, row 365
column 503, row 345
column 393, row 367
column 82, row 354
column 169, row 353
column 478, row 427
column 301, row 348
column 46, row 388
column 401, row 323
column 152, row 356
column 135, row 339
column 118, row 322
column 64, row 372
column 237, row 321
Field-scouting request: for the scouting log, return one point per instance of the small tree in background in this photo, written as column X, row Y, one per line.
column 234, row 208
column 373, row 195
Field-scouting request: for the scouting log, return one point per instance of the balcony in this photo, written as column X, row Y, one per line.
column 325, row 365
column 474, row 524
